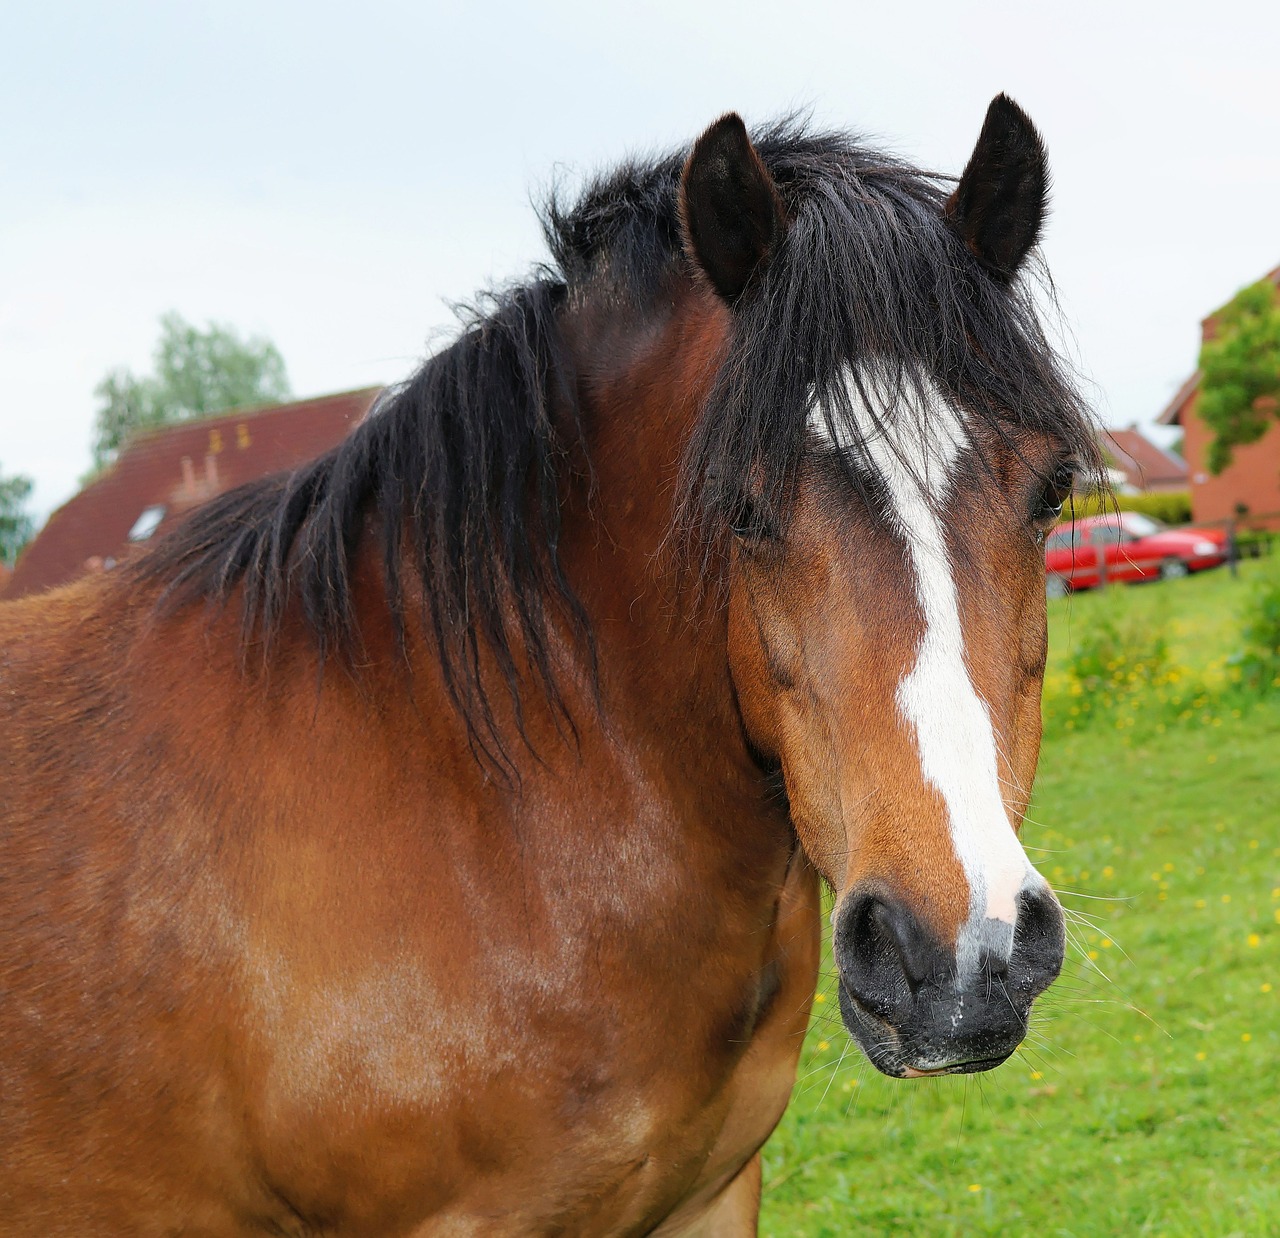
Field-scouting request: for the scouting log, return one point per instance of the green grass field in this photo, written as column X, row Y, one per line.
column 1146, row 1099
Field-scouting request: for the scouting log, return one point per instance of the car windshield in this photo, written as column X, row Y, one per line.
column 1142, row 526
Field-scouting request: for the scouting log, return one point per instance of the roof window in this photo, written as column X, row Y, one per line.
column 147, row 523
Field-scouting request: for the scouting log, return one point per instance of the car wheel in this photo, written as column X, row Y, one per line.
column 1056, row 587
column 1173, row 569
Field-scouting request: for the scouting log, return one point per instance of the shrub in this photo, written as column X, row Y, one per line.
column 1119, row 670
column 1173, row 507
column 1254, row 543
column 1115, row 654
column 1259, row 659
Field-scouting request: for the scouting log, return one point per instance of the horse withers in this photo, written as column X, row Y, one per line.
column 429, row 841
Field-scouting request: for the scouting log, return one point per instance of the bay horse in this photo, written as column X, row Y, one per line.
column 430, row 841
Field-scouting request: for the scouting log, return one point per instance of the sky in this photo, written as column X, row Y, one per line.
column 335, row 177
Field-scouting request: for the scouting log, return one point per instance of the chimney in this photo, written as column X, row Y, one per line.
column 188, row 478
column 211, row 474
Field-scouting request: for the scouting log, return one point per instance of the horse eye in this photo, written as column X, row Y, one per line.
column 750, row 521
column 1053, row 494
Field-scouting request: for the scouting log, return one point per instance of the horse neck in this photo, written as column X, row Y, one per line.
column 662, row 645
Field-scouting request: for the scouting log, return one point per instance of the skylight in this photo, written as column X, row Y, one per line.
column 147, row 523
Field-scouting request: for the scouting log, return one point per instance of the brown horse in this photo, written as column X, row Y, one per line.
column 430, row 841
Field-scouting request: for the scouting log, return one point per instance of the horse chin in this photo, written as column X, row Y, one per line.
column 884, row 1048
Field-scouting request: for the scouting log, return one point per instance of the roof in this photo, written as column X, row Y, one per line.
column 1171, row 414
column 164, row 473
column 1144, row 464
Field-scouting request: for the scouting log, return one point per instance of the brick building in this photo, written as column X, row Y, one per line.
column 1250, row 484
column 163, row 473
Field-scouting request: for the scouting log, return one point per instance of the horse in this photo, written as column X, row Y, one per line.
column 432, row 840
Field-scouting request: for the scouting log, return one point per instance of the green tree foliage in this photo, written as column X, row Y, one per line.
column 197, row 372
column 1240, row 372
column 16, row 524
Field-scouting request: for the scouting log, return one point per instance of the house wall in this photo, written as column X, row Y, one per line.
column 1252, row 478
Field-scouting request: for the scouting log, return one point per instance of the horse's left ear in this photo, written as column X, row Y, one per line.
column 1002, row 197
column 729, row 207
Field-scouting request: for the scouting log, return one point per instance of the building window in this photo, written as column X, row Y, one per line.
column 146, row 524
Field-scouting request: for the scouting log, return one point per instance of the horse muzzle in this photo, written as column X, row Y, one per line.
column 911, row 1007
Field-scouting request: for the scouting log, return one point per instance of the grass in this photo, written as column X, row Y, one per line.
column 1145, row 1098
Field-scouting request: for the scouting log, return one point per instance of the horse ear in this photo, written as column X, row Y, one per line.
column 729, row 207
column 1002, row 197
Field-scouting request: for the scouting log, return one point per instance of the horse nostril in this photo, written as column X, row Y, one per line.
column 883, row 952
column 1039, row 942
column 908, row 939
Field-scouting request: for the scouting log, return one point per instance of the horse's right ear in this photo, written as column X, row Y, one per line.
column 729, row 207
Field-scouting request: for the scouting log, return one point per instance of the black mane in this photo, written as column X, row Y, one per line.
column 458, row 470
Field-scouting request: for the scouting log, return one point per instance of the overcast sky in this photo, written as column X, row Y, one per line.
column 333, row 175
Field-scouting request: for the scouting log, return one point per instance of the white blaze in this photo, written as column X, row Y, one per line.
column 915, row 454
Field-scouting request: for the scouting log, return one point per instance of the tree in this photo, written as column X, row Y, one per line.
column 16, row 524
column 1240, row 372
column 196, row 373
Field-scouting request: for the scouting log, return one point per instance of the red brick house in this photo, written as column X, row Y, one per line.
column 1250, row 484
column 163, row 473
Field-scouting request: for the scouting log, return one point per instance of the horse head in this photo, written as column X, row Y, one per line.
column 888, row 442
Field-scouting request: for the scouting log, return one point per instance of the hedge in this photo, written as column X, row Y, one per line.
column 1173, row 506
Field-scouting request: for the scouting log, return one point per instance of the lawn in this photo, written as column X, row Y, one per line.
column 1146, row 1099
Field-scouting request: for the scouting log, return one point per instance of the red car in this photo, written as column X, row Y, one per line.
column 1132, row 546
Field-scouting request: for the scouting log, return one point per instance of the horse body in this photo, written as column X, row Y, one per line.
column 308, row 926
column 318, row 985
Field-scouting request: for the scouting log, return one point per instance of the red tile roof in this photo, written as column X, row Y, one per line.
column 1144, row 465
column 174, row 469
